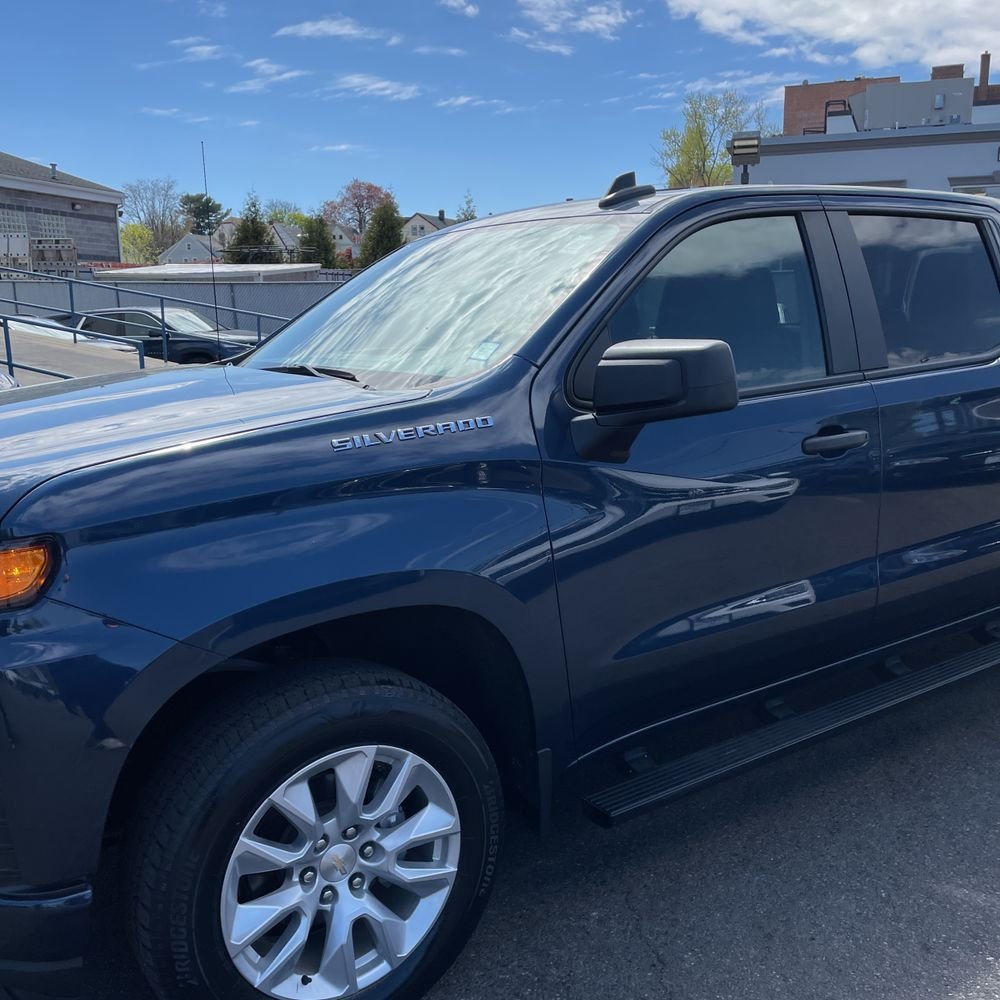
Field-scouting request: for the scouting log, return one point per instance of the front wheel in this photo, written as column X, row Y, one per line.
column 329, row 837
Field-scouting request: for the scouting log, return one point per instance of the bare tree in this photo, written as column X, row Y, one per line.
column 355, row 205
column 696, row 155
column 281, row 210
column 153, row 202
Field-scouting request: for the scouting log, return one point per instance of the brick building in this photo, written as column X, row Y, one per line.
column 46, row 203
column 805, row 103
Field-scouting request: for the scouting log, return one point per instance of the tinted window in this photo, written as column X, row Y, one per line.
column 745, row 281
column 102, row 324
column 934, row 283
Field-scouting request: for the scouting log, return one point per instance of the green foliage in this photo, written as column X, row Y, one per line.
column 137, row 244
column 467, row 210
column 280, row 210
column 202, row 214
column 252, row 242
column 317, row 243
column 696, row 155
column 384, row 233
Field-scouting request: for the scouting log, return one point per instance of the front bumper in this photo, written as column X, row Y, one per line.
column 43, row 939
column 63, row 743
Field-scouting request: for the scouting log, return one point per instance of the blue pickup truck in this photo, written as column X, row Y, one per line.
column 290, row 629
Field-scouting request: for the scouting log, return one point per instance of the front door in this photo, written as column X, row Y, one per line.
column 732, row 549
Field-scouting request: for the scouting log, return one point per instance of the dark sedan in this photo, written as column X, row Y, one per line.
column 190, row 338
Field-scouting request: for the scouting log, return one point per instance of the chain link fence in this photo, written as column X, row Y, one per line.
column 238, row 302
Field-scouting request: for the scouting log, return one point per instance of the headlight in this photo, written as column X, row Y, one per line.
column 25, row 568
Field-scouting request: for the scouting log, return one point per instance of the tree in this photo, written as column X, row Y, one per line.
column 251, row 242
column 137, row 244
column 153, row 203
column 384, row 234
column 467, row 210
column 202, row 214
column 696, row 155
column 355, row 204
column 279, row 210
column 316, row 244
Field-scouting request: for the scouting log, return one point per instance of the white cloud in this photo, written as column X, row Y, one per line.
column 738, row 79
column 577, row 16
column 438, row 50
column 190, row 40
column 338, row 147
column 367, row 85
column 339, row 27
column 266, row 75
column 538, row 44
column 162, row 112
column 460, row 7
column 200, row 53
column 212, row 8
column 249, row 123
column 198, row 120
column 875, row 35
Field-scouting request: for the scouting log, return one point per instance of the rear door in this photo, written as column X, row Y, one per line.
column 924, row 285
column 731, row 549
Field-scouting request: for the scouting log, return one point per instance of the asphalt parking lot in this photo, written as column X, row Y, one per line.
column 863, row 866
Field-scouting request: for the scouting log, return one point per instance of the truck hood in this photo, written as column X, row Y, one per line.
column 52, row 429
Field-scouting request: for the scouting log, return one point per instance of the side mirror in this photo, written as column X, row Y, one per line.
column 641, row 381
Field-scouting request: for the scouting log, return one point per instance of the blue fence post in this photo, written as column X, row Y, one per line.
column 163, row 328
column 258, row 329
column 72, row 305
column 7, row 347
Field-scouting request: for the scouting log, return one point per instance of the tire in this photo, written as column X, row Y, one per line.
column 215, row 787
column 198, row 359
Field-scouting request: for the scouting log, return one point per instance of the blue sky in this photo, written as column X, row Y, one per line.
column 520, row 101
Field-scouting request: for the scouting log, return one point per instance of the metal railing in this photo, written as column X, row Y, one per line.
column 13, row 366
column 76, row 315
column 72, row 283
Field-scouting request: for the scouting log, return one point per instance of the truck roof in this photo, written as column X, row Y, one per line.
column 650, row 203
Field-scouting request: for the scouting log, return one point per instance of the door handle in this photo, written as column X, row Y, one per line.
column 832, row 440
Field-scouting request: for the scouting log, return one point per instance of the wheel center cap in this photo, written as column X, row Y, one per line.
column 338, row 862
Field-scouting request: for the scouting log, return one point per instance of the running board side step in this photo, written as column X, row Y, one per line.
column 669, row 781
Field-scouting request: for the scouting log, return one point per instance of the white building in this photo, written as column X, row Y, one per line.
column 189, row 249
column 941, row 134
column 423, row 225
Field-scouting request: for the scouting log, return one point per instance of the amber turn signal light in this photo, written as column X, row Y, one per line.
column 24, row 570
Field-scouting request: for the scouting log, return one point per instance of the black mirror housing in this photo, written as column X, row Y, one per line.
column 641, row 381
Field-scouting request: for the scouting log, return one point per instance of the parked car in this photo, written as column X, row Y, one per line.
column 530, row 491
column 191, row 339
column 44, row 326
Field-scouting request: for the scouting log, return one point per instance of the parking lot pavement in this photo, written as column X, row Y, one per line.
column 81, row 358
column 864, row 866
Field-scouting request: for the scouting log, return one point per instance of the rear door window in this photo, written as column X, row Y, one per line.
column 935, row 286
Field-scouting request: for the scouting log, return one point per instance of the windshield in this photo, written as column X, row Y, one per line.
column 185, row 321
column 446, row 307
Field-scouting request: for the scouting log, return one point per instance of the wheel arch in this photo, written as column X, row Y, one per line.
column 434, row 643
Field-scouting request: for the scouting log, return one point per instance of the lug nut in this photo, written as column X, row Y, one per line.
column 322, row 844
column 357, row 882
column 350, row 833
column 308, row 877
column 368, row 851
column 326, row 896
